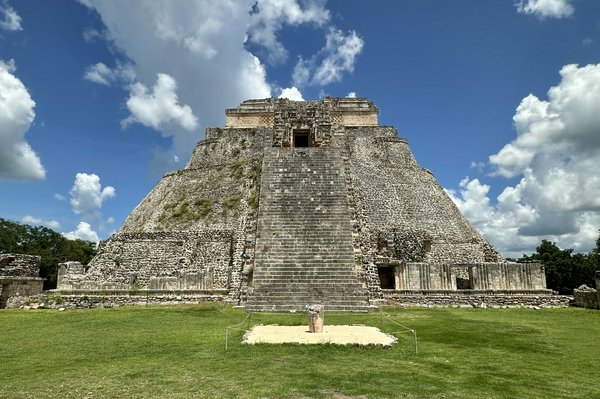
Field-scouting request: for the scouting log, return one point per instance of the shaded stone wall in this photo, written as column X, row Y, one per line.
column 587, row 297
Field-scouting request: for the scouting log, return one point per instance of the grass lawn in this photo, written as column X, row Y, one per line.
column 178, row 352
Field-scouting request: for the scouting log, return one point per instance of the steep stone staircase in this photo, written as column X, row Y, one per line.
column 304, row 250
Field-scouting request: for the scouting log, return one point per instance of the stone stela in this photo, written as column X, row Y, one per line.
column 297, row 202
column 316, row 318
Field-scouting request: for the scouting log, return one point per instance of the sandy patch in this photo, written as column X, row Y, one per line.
column 341, row 335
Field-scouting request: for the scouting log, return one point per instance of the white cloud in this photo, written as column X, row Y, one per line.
column 59, row 197
column 87, row 195
column 556, row 154
column 91, row 35
column 545, row 8
column 341, row 51
column 82, row 232
column 568, row 123
column 100, row 73
column 291, row 93
column 17, row 160
column 9, row 19
column 28, row 219
column 200, row 46
column 331, row 62
column 159, row 108
column 352, row 94
column 269, row 16
column 587, row 41
column 301, row 73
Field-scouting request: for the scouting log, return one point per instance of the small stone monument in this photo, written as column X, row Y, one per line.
column 315, row 318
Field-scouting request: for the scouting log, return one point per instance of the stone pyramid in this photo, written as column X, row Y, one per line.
column 293, row 203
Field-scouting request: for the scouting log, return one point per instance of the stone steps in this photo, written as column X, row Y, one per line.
column 304, row 249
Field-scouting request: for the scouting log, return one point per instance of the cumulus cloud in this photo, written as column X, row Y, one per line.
column 199, row 46
column 87, row 195
column 17, row 159
column 352, row 94
column 159, row 108
column 331, row 62
column 83, row 231
column 28, row 219
column 269, row 16
column 291, row 93
column 59, row 197
column 341, row 51
column 100, row 73
column 9, row 19
column 301, row 73
column 556, row 155
column 568, row 123
column 545, row 8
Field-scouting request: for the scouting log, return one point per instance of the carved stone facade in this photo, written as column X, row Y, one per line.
column 297, row 202
column 19, row 276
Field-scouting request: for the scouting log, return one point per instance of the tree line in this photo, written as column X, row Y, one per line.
column 52, row 247
column 566, row 270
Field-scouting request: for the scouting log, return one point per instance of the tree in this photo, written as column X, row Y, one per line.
column 52, row 247
column 565, row 271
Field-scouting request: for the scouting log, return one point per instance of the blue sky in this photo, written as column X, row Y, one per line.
column 499, row 99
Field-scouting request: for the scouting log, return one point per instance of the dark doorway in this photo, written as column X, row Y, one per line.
column 463, row 284
column 387, row 278
column 301, row 138
column 3, row 295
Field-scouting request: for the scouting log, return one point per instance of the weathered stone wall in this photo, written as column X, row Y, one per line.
column 587, row 297
column 193, row 231
column 340, row 111
column 310, row 115
column 195, row 260
column 19, row 277
column 419, row 276
column 403, row 212
column 227, row 146
column 467, row 299
column 507, row 276
column 19, row 265
column 108, row 299
column 355, row 118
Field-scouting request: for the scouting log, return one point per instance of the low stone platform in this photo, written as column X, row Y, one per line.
column 339, row 335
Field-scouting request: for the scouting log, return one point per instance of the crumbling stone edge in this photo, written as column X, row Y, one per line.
column 50, row 300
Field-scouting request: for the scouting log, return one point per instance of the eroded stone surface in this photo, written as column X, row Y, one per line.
column 19, row 277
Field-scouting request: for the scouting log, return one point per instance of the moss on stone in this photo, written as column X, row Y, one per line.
column 252, row 200
column 236, row 169
column 232, row 204
column 204, row 206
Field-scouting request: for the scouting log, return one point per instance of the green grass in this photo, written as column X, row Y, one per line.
column 178, row 352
